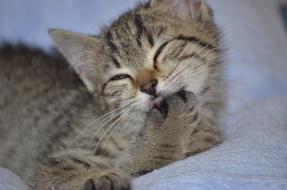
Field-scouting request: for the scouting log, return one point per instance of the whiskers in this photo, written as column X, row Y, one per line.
column 107, row 124
column 113, row 128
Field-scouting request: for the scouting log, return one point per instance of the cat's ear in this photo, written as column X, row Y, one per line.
column 80, row 51
column 188, row 9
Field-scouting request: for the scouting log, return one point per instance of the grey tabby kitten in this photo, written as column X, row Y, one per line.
column 144, row 93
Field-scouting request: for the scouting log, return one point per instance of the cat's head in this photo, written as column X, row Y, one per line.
column 156, row 50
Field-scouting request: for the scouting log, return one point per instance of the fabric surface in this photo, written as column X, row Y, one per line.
column 253, row 154
column 9, row 181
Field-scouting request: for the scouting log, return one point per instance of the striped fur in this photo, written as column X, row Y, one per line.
column 90, row 126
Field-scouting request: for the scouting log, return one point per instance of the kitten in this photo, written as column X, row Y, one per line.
column 144, row 93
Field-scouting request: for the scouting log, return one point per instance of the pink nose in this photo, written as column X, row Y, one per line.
column 149, row 87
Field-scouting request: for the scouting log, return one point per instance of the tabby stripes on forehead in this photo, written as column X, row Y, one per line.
column 113, row 47
column 110, row 38
column 115, row 61
column 141, row 30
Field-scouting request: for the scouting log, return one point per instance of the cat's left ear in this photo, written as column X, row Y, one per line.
column 80, row 51
column 188, row 9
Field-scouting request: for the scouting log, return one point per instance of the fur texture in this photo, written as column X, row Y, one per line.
column 144, row 93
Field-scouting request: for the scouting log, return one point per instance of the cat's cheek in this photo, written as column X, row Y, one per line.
column 117, row 91
column 196, row 82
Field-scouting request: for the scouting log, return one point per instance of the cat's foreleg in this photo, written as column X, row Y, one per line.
column 205, row 136
column 164, row 135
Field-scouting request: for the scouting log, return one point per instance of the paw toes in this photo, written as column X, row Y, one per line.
column 194, row 118
column 109, row 181
column 89, row 185
column 103, row 183
column 192, row 101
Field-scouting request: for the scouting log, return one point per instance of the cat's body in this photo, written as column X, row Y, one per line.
column 154, row 80
column 39, row 94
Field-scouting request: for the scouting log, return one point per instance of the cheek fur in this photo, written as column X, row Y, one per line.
column 195, row 82
column 191, row 78
column 117, row 91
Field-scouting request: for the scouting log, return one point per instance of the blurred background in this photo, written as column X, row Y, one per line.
column 253, row 31
column 283, row 9
column 28, row 21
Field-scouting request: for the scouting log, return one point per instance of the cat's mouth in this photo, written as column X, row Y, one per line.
column 159, row 102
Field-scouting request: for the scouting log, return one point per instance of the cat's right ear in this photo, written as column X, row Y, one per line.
column 81, row 51
column 187, row 9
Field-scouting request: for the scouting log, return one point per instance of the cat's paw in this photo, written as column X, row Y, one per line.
column 183, row 104
column 190, row 113
column 177, row 114
column 109, row 180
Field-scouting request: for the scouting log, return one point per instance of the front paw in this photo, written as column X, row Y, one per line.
column 190, row 113
column 183, row 104
column 109, row 180
column 177, row 113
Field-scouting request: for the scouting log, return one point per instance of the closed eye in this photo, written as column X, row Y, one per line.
column 120, row 77
column 158, row 52
column 191, row 39
column 116, row 78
